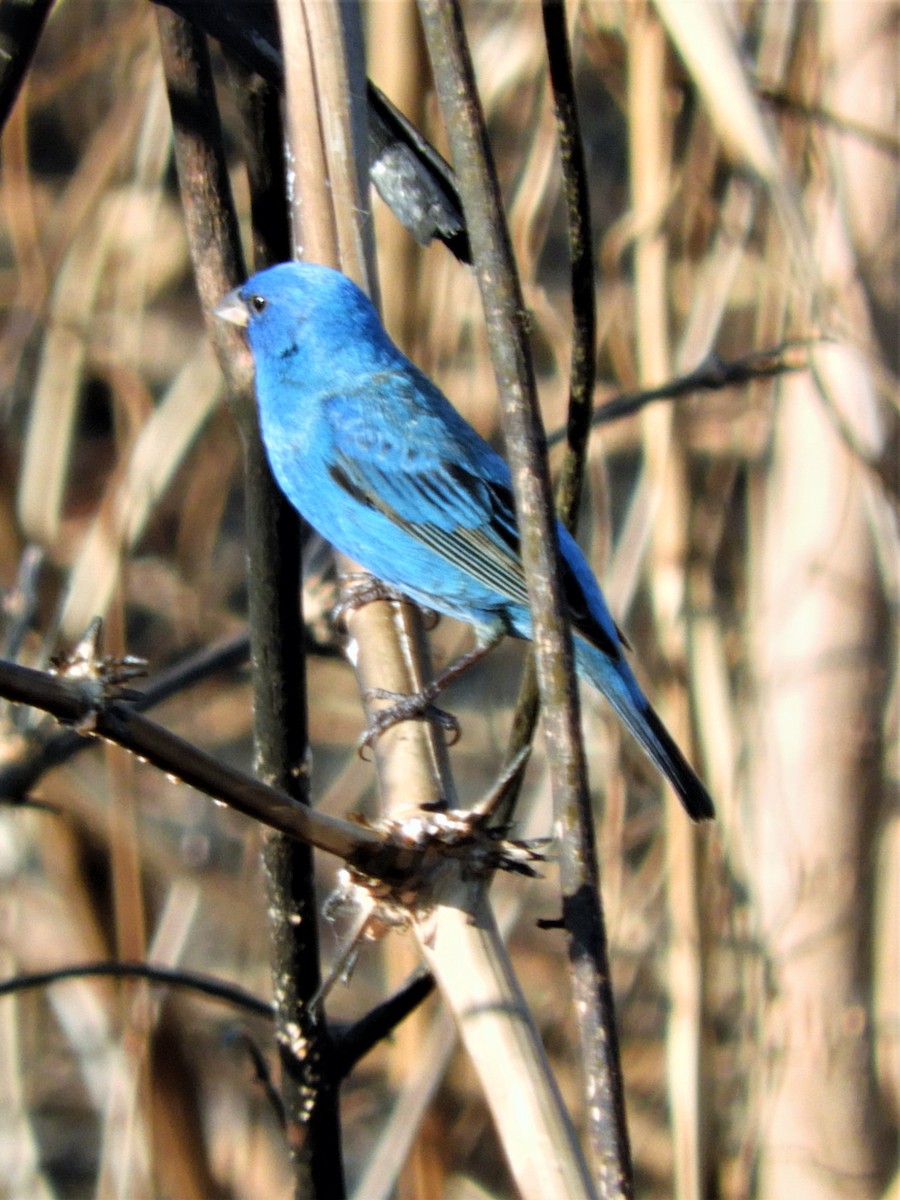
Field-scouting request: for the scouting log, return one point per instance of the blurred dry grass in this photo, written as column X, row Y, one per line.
column 746, row 537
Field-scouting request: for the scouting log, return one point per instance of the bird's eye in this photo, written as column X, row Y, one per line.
column 258, row 303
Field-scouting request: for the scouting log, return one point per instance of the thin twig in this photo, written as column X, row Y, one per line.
column 880, row 139
column 584, row 350
column 358, row 1039
column 264, row 1076
column 581, row 253
column 351, row 1042
column 712, row 375
column 206, row 985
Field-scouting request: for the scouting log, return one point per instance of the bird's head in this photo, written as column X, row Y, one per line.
column 304, row 315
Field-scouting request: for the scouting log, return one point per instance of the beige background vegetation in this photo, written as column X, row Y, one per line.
column 743, row 171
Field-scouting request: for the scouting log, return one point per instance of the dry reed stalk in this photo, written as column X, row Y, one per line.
column 415, row 310
column 407, row 1148
column 325, row 202
column 394, row 29
column 46, row 917
column 19, row 1145
column 105, row 161
column 665, row 472
column 20, row 200
column 815, row 776
column 54, row 403
column 129, row 1105
column 814, row 803
column 329, row 228
column 147, row 468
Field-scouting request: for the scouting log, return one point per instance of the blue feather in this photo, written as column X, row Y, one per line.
column 376, row 459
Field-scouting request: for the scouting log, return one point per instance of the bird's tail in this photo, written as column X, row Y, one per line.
column 620, row 687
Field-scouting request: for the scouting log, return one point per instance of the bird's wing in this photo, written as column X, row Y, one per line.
column 442, row 484
column 457, row 515
column 400, row 448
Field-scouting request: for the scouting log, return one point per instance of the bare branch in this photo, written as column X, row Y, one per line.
column 75, row 702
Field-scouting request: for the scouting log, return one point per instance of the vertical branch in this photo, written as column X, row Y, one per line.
column 274, row 529
column 336, row 41
column 409, row 758
column 504, row 314
column 584, row 321
column 581, row 253
column 275, row 623
column 280, row 743
column 311, row 211
column 259, row 105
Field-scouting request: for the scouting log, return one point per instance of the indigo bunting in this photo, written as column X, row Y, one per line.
column 376, row 459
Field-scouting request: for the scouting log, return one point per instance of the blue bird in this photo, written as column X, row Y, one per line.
column 381, row 464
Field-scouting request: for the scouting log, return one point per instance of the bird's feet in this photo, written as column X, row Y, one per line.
column 417, row 706
column 420, row 706
column 358, row 588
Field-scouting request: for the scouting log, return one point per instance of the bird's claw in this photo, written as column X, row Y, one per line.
column 359, row 589
column 430, row 618
column 418, row 706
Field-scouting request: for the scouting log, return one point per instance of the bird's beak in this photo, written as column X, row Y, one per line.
column 232, row 308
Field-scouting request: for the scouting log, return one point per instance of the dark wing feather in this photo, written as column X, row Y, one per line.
column 488, row 551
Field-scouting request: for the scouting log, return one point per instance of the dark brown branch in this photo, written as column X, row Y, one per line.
column 355, row 1041
column 209, row 213
column 18, row 776
column 76, row 703
column 276, row 632
column 507, row 337
column 581, row 253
